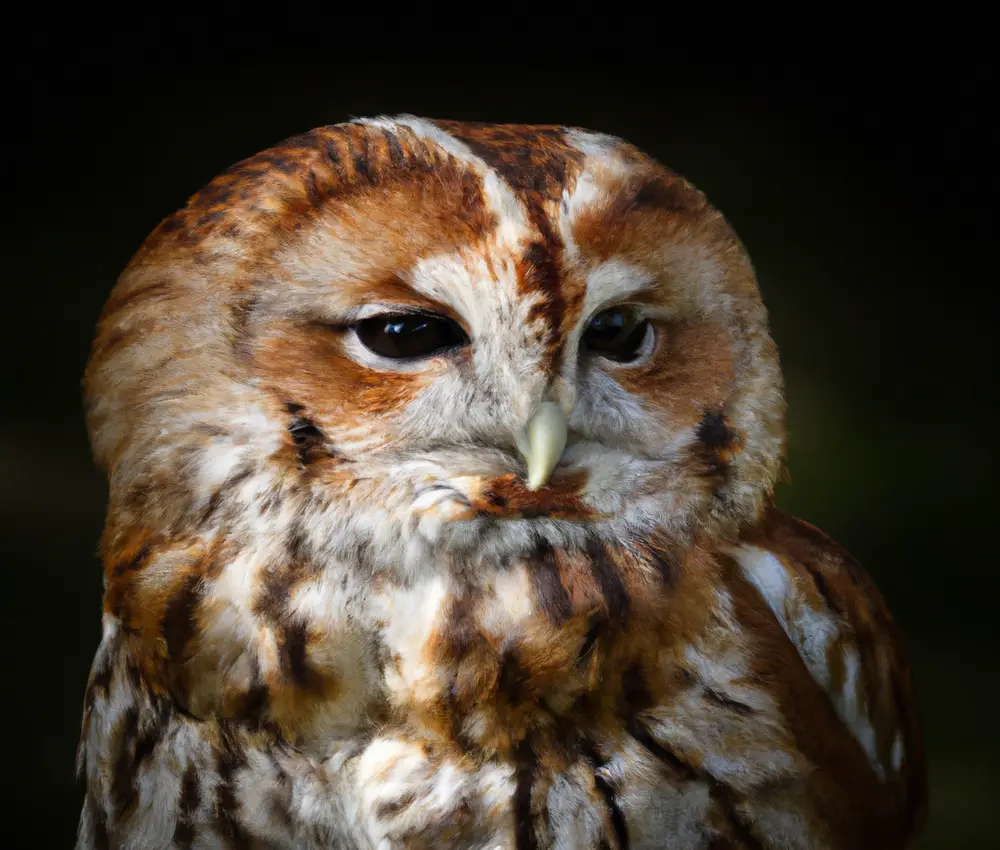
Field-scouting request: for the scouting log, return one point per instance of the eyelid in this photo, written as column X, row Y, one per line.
column 349, row 318
column 371, row 311
column 658, row 314
column 639, row 311
column 383, row 308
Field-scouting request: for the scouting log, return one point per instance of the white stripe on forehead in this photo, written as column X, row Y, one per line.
column 485, row 292
column 603, row 165
column 500, row 198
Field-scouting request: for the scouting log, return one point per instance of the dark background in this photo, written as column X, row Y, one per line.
column 863, row 187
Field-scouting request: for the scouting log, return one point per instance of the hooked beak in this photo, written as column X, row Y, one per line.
column 542, row 443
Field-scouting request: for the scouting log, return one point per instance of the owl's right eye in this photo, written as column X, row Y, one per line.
column 404, row 336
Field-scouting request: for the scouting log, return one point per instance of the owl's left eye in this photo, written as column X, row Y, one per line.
column 403, row 336
column 619, row 334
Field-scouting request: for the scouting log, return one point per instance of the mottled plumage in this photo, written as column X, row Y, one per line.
column 335, row 613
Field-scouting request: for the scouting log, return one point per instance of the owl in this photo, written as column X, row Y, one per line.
column 441, row 459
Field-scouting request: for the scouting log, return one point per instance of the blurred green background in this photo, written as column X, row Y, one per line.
column 866, row 200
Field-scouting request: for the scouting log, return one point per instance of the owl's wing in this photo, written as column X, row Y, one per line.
column 837, row 620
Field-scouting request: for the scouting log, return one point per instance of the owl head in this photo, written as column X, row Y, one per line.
column 398, row 336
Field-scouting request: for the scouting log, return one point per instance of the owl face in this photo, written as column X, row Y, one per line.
column 404, row 335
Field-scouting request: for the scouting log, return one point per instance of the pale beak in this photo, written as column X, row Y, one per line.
column 542, row 443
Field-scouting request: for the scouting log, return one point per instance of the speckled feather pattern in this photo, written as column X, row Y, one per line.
column 335, row 617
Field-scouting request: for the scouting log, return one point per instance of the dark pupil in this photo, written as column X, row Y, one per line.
column 615, row 334
column 414, row 335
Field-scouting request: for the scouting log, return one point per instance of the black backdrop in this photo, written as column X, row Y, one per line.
column 863, row 190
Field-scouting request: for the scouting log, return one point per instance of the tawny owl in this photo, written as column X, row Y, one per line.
column 441, row 461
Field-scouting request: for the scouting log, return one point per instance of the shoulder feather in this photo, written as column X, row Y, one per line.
column 836, row 618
